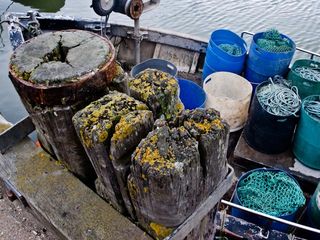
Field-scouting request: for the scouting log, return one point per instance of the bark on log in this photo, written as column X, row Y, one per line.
column 56, row 74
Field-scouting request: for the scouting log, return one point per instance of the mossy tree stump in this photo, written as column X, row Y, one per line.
column 110, row 129
column 56, row 74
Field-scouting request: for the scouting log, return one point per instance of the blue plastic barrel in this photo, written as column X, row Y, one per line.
column 191, row 94
column 155, row 63
column 261, row 221
column 207, row 70
column 219, row 60
column 261, row 64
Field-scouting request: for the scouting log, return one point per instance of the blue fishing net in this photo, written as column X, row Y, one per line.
column 273, row 193
column 232, row 49
column 272, row 41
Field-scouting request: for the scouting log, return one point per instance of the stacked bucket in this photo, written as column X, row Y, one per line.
column 217, row 59
column 225, row 74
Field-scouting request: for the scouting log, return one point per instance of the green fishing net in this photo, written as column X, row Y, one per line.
column 272, row 41
column 232, row 49
column 273, row 193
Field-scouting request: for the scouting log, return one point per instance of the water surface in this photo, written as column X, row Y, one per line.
column 299, row 19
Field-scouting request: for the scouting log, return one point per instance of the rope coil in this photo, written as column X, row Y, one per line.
column 312, row 107
column 278, row 98
column 311, row 74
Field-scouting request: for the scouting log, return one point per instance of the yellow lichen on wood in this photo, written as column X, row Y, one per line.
column 125, row 126
column 160, row 230
column 205, row 125
column 97, row 119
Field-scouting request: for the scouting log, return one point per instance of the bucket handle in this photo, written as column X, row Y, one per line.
column 208, row 79
column 172, row 67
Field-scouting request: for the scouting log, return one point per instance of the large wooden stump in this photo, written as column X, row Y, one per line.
column 56, row 74
column 176, row 167
column 110, row 129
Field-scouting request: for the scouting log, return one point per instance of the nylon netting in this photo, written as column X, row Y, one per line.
column 272, row 41
column 273, row 193
column 232, row 49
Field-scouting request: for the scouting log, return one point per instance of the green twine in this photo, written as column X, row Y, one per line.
column 273, row 193
column 232, row 49
column 272, row 41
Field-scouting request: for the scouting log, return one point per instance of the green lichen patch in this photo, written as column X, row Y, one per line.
column 44, row 59
column 159, row 90
column 96, row 121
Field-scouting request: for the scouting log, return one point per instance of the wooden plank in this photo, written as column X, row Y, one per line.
column 191, row 222
column 286, row 161
column 62, row 200
column 15, row 133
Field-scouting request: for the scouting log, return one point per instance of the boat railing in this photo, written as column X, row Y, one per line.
column 311, row 53
column 273, row 218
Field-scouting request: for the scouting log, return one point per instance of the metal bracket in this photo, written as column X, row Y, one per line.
column 15, row 134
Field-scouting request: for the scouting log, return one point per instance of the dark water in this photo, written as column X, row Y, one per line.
column 300, row 19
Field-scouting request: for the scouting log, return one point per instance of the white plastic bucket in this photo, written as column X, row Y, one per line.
column 230, row 94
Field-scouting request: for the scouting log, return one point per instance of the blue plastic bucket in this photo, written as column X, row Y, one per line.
column 155, row 63
column 191, row 94
column 266, row 223
column 261, row 64
column 220, row 60
column 207, row 70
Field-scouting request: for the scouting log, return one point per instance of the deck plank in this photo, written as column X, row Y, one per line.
column 247, row 155
column 68, row 205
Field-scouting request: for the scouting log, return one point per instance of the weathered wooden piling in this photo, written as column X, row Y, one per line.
column 176, row 167
column 159, row 90
column 56, row 74
column 110, row 128
column 212, row 135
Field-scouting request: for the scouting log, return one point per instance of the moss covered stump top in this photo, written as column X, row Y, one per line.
column 60, row 57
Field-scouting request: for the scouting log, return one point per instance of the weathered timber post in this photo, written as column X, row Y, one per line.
column 176, row 167
column 110, row 129
column 56, row 74
column 159, row 90
column 212, row 135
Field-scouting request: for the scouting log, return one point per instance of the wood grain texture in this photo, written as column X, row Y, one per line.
column 61, row 199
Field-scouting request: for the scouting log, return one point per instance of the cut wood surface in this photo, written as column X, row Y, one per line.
column 61, row 199
column 57, row 74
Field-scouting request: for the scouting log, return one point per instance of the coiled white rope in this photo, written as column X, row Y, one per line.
column 278, row 98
